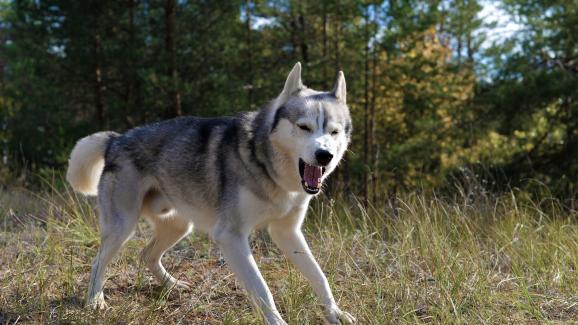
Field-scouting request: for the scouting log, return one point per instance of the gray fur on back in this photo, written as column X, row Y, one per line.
column 209, row 155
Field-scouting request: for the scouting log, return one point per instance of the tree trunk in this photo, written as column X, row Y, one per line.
column 249, row 4
column 332, row 182
column 98, row 83
column 324, row 60
column 374, row 153
column 131, row 77
column 174, row 108
column 366, row 166
column 460, row 43
column 469, row 47
column 344, row 171
column 337, row 27
column 302, row 34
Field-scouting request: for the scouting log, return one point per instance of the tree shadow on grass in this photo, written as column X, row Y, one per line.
column 7, row 318
column 73, row 301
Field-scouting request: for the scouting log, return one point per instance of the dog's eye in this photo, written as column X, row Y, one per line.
column 304, row 127
column 335, row 132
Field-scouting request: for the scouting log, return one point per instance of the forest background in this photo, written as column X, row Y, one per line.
column 441, row 92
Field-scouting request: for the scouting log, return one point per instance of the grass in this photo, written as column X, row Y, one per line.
column 486, row 260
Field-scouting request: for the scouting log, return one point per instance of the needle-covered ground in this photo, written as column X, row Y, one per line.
column 478, row 259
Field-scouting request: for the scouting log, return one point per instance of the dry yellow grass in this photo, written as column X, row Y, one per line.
column 486, row 260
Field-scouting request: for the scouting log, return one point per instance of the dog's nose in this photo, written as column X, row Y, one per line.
column 323, row 157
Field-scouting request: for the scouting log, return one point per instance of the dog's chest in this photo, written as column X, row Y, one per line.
column 259, row 210
column 286, row 204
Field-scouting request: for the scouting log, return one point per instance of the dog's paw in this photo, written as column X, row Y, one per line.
column 97, row 303
column 176, row 284
column 334, row 315
column 183, row 285
column 274, row 319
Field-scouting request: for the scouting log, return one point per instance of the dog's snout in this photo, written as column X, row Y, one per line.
column 323, row 157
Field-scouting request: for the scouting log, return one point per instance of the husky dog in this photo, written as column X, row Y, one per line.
column 225, row 176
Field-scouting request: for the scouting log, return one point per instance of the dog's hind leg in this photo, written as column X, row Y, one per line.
column 119, row 207
column 167, row 232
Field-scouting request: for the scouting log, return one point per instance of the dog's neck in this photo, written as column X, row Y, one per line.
column 279, row 162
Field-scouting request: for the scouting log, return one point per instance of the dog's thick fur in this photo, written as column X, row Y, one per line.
column 225, row 176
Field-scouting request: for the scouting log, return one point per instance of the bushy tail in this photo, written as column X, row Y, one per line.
column 87, row 161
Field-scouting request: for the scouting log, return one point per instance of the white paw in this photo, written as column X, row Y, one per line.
column 97, row 302
column 334, row 315
column 275, row 320
column 181, row 285
column 173, row 283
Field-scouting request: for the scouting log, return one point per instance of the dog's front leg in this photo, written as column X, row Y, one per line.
column 237, row 252
column 286, row 233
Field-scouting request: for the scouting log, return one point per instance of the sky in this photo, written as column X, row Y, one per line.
column 505, row 27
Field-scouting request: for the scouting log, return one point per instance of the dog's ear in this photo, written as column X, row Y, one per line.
column 339, row 90
column 293, row 83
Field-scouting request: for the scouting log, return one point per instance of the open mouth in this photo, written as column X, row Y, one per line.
column 310, row 177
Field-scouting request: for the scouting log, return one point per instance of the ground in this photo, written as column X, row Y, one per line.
column 422, row 259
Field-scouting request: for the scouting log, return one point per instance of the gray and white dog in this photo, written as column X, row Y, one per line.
column 225, row 176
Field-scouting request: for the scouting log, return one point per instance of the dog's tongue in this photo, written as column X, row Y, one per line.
column 312, row 175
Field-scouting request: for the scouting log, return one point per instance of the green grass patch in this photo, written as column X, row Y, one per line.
column 423, row 259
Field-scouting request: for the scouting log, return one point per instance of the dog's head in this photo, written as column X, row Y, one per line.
column 311, row 129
